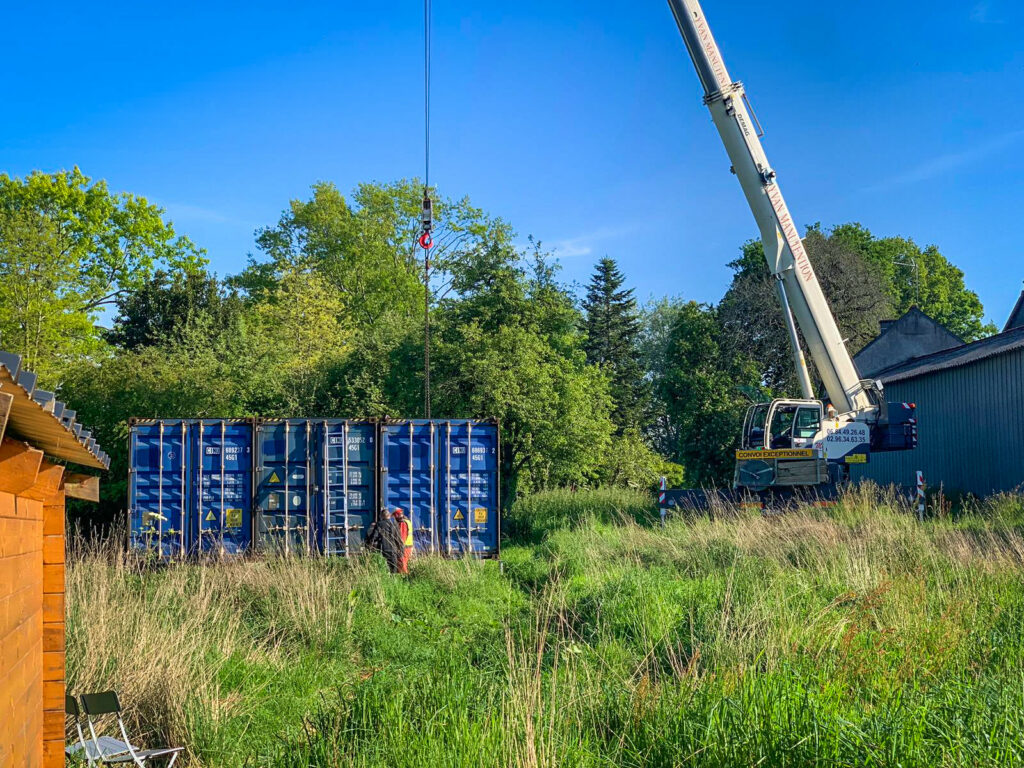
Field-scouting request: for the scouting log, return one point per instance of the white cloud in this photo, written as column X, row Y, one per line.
column 585, row 244
column 943, row 164
column 982, row 13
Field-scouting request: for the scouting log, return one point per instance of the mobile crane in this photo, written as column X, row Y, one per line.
column 792, row 443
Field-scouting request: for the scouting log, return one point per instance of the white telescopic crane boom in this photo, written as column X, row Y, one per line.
column 787, row 258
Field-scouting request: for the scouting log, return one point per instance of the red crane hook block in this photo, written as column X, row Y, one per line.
column 426, row 241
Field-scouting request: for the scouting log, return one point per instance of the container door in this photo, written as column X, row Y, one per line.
column 468, row 481
column 407, row 478
column 157, row 488
column 283, row 488
column 349, row 486
column 222, row 508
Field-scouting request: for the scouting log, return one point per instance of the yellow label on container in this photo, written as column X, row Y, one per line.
column 857, row 458
column 480, row 515
column 232, row 518
column 784, row 453
column 459, row 515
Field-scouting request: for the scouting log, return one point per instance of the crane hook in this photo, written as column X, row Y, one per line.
column 427, row 220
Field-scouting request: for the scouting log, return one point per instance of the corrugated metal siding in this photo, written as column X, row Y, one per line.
column 971, row 428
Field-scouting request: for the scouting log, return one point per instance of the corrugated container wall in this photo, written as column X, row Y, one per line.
column 311, row 486
column 316, row 485
column 468, row 455
column 190, row 487
column 158, row 487
column 444, row 475
column 970, row 428
column 408, row 477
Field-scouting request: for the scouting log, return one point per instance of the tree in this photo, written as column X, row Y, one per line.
column 68, row 248
column 752, row 319
column 704, row 386
column 302, row 328
column 920, row 277
column 508, row 346
column 366, row 250
column 166, row 305
column 658, row 319
column 612, row 327
column 39, row 318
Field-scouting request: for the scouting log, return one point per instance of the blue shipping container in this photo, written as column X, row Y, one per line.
column 468, row 456
column 221, row 504
column 316, row 486
column 348, row 488
column 312, row 485
column 408, row 479
column 158, row 487
column 284, row 485
column 443, row 474
column 190, row 486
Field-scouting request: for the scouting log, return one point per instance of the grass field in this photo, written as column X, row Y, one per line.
column 849, row 636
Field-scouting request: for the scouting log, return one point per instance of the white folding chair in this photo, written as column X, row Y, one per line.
column 110, row 751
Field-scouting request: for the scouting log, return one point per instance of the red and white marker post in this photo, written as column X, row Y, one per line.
column 920, row 495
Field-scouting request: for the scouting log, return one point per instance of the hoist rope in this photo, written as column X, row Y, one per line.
column 426, row 91
column 426, row 192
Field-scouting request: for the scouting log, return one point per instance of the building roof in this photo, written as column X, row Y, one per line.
column 1017, row 315
column 954, row 358
column 913, row 335
column 38, row 417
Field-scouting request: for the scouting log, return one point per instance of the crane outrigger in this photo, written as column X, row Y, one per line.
column 792, row 443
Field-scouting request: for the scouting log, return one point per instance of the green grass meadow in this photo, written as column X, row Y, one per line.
column 828, row 637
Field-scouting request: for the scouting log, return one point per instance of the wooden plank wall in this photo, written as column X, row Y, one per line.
column 31, row 609
column 53, row 631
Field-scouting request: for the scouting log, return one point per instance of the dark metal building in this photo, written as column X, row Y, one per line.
column 970, row 405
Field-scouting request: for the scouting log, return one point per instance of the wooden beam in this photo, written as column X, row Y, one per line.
column 47, row 482
column 5, row 410
column 85, row 487
column 19, row 466
column 31, row 422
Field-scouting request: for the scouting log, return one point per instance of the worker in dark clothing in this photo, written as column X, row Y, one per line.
column 385, row 536
column 405, row 529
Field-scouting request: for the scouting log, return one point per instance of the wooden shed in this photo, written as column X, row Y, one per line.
column 40, row 443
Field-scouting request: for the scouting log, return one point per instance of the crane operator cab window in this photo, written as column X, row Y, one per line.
column 782, row 427
column 753, row 428
column 806, row 426
column 794, row 425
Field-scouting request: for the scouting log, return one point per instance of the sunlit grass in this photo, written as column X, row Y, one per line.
column 845, row 636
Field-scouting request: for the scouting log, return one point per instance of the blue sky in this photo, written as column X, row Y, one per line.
column 582, row 124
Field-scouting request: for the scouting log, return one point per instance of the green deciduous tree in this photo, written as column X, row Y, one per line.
column 68, row 248
column 509, row 347
column 39, row 318
column 920, row 277
column 365, row 249
column 703, row 386
column 752, row 318
column 168, row 304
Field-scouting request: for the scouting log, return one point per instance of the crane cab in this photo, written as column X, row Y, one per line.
column 781, row 447
column 782, row 425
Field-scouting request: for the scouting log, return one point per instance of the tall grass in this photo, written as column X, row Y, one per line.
column 849, row 636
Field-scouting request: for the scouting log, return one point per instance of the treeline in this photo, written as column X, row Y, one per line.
column 122, row 316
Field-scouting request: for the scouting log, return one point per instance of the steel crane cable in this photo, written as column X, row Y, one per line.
column 426, row 241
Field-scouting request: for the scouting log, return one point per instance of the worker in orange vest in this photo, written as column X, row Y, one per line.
column 405, row 527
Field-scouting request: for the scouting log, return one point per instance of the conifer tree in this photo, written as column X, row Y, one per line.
column 612, row 325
